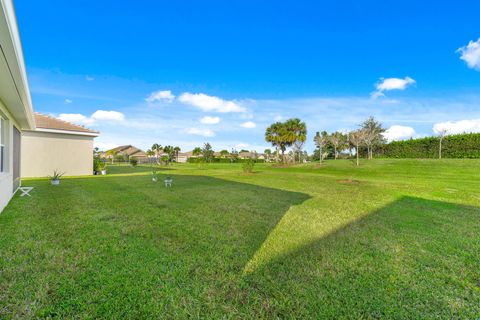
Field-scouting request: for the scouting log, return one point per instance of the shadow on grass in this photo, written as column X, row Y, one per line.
column 414, row 258
column 125, row 247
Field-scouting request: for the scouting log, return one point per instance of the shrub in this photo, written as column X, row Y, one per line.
column 248, row 165
column 453, row 146
column 133, row 162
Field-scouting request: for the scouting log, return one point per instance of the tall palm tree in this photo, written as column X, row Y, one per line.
column 177, row 150
column 295, row 132
column 275, row 134
column 156, row 148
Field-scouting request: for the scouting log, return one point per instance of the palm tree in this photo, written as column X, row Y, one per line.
column 156, row 148
column 150, row 153
column 177, row 150
column 169, row 150
column 268, row 154
column 296, row 133
column 112, row 154
column 197, row 151
column 275, row 135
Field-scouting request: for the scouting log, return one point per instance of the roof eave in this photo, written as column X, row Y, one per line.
column 19, row 102
column 70, row 132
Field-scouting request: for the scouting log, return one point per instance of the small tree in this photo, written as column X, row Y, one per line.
column 357, row 138
column 297, row 150
column 112, row 154
column 170, row 152
column 224, row 153
column 441, row 135
column 338, row 141
column 372, row 130
column 268, row 154
column 197, row 151
column 248, row 165
column 320, row 140
column 133, row 162
column 207, row 152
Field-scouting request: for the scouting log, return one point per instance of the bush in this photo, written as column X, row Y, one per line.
column 133, row 162
column 453, row 146
column 248, row 165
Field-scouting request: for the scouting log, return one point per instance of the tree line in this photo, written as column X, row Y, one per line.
column 293, row 133
column 169, row 153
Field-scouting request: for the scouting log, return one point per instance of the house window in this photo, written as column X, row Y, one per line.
column 2, row 145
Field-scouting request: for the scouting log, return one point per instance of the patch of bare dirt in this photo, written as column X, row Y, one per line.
column 348, row 181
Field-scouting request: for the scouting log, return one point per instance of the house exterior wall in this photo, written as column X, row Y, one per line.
column 6, row 177
column 182, row 159
column 44, row 152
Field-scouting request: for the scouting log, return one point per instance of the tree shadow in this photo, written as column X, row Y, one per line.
column 414, row 258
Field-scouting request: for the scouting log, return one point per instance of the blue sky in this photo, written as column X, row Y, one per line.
column 186, row 72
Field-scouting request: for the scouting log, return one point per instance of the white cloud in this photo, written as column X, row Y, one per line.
column 68, row 101
column 210, row 103
column 397, row 132
column 210, row 120
column 102, row 115
column 160, row 96
column 201, row 132
column 471, row 54
column 248, row 125
column 387, row 84
column 241, row 145
column 97, row 116
column 456, row 127
column 73, row 117
column 88, row 78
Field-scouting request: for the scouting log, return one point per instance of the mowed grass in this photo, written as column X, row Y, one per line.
column 391, row 239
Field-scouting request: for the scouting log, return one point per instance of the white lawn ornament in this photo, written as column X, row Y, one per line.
column 168, row 182
column 25, row 191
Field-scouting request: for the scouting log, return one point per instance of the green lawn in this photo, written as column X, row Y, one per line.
column 391, row 239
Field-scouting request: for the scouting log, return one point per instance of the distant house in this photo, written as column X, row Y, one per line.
column 251, row 155
column 31, row 145
column 183, row 156
column 128, row 151
column 55, row 144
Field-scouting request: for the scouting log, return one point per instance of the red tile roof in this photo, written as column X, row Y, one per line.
column 46, row 122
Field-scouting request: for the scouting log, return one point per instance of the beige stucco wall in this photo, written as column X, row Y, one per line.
column 6, row 177
column 43, row 152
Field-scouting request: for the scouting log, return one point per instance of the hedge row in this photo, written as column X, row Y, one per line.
column 453, row 146
column 221, row 160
